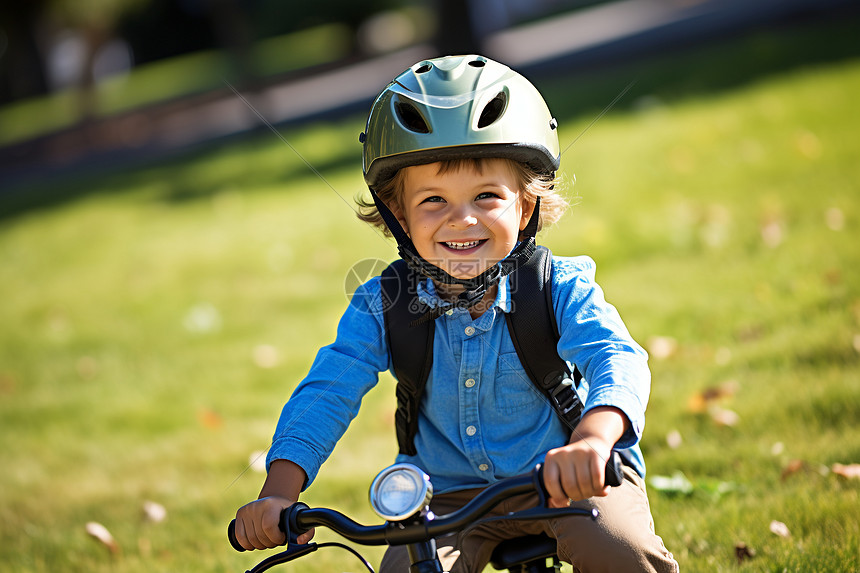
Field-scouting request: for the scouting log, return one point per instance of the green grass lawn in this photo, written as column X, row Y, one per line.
column 155, row 320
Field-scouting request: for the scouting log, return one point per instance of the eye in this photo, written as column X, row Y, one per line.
column 487, row 195
column 433, row 199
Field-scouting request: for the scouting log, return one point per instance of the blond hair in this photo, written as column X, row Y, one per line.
column 531, row 183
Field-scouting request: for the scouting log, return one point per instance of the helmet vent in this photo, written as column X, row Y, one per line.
column 493, row 110
column 411, row 118
column 423, row 69
column 477, row 63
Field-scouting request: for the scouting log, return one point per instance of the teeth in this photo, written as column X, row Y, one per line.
column 462, row 246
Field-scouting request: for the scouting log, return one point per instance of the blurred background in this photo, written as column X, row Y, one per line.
column 82, row 83
column 169, row 266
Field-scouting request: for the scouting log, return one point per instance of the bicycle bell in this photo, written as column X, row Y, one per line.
column 400, row 491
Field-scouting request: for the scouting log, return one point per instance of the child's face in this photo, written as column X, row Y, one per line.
column 463, row 221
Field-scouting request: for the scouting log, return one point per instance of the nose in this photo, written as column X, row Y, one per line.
column 462, row 216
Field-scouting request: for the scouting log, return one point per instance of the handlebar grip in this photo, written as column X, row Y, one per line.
column 614, row 472
column 231, row 535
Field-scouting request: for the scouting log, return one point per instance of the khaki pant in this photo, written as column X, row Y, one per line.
column 622, row 538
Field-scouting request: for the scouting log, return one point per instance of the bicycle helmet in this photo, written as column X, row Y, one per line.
column 458, row 107
column 455, row 107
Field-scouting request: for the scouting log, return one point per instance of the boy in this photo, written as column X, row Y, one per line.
column 460, row 154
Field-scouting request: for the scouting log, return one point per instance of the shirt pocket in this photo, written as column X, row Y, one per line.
column 515, row 393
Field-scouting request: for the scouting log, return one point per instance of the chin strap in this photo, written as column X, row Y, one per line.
column 474, row 288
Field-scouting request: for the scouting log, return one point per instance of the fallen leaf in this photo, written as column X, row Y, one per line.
column 777, row 448
column 101, row 534
column 700, row 401
column 834, row 218
column 724, row 417
column 677, row 483
column 743, row 552
column 772, row 233
column 674, row 439
column 154, row 512
column 779, row 528
column 266, row 356
column 792, row 468
column 209, row 419
column 662, row 347
column 850, row 471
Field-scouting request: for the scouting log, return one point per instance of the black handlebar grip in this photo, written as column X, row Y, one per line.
column 614, row 473
column 231, row 535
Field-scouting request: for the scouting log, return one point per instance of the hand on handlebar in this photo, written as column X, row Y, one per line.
column 578, row 471
column 258, row 524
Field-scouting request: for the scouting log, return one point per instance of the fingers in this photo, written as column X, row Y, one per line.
column 305, row 537
column 572, row 473
column 258, row 524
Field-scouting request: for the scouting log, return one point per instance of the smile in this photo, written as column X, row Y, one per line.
column 457, row 246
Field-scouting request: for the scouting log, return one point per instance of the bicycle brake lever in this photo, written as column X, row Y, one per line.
column 288, row 525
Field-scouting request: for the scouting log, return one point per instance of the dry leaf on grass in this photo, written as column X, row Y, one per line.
column 209, row 419
column 154, row 512
column 743, row 552
column 662, row 347
column 724, row 416
column 849, row 471
column 792, row 468
column 674, row 439
column 701, row 401
column 677, row 483
column 779, row 528
column 101, row 534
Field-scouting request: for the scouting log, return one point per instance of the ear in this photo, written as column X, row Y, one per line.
column 527, row 208
column 398, row 212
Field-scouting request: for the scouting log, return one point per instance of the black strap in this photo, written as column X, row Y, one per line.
column 410, row 344
column 534, row 332
column 531, row 324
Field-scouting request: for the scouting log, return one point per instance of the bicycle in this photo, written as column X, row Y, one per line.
column 401, row 494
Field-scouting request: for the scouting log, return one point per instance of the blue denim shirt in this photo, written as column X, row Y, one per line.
column 481, row 418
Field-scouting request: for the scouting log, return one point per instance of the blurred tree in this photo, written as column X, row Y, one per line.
column 96, row 21
column 22, row 69
column 273, row 17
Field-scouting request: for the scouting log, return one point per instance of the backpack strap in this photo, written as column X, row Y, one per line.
column 534, row 332
column 410, row 347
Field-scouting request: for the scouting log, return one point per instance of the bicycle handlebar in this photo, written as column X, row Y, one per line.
column 299, row 518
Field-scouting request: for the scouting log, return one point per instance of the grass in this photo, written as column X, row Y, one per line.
column 155, row 320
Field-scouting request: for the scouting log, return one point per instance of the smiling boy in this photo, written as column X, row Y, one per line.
column 460, row 155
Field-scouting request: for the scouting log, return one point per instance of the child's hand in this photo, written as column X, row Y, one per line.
column 257, row 524
column 578, row 470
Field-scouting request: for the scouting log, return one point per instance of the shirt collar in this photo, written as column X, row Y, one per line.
column 428, row 295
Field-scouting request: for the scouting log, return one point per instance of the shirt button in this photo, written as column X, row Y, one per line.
column 470, row 330
column 449, row 312
column 471, row 430
column 483, row 467
column 470, row 382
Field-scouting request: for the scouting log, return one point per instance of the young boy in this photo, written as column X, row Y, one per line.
column 460, row 154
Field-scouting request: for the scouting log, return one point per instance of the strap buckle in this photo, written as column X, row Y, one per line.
column 564, row 399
